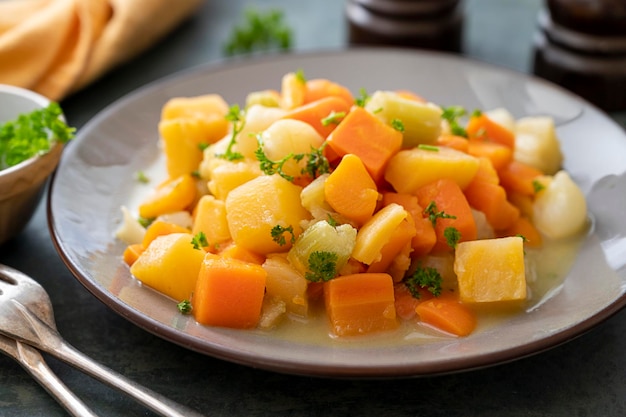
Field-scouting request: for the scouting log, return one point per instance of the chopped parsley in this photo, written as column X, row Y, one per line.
column 199, row 241
column 424, row 277
column 363, row 98
column 32, row 134
column 278, row 234
column 141, row 177
column 430, row 148
column 300, row 76
column 145, row 222
column 452, row 235
column 398, row 125
column 322, row 266
column 234, row 115
column 333, row 118
column 184, row 307
column 538, row 186
column 316, row 163
column 259, row 32
column 332, row 221
column 433, row 214
column 451, row 115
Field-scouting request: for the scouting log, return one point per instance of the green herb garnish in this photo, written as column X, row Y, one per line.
column 398, row 125
column 538, row 186
column 433, row 214
column 199, row 241
column 452, row 235
column 363, row 98
column 234, row 115
column 141, row 177
column 451, row 115
column 32, row 134
column 278, row 234
column 184, row 307
column 316, row 163
column 424, row 277
column 430, row 148
column 322, row 266
column 333, row 118
column 259, row 32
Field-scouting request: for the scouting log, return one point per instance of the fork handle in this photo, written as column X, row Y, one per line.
column 154, row 401
column 33, row 362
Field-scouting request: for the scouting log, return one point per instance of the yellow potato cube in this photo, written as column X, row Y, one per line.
column 170, row 265
column 410, row 169
column 254, row 208
column 491, row 270
column 210, row 219
column 375, row 234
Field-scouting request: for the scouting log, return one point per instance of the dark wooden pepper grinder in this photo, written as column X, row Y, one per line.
column 581, row 45
column 427, row 24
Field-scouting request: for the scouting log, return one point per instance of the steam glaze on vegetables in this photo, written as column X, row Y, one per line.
column 315, row 214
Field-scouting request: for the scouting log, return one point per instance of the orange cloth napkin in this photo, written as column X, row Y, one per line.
column 56, row 47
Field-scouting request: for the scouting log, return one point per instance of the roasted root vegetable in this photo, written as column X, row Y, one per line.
column 365, row 214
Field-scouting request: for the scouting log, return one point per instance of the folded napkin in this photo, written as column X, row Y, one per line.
column 56, row 47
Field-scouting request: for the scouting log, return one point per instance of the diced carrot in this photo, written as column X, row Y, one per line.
column 132, row 252
column 406, row 303
column 524, row 227
column 523, row 202
column 449, row 200
column 360, row 304
column 491, row 200
column 229, row 292
column 318, row 88
column 518, row 177
column 350, row 190
column 425, row 237
column 363, row 134
column 315, row 112
column 173, row 195
column 453, row 141
column 237, row 252
column 482, row 128
column 401, row 236
column 159, row 228
column 499, row 155
column 448, row 314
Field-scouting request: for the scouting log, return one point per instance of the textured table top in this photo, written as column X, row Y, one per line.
column 584, row 377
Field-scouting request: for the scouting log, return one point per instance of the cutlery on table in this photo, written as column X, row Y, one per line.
column 26, row 315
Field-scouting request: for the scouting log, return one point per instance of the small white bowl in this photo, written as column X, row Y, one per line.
column 22, row 185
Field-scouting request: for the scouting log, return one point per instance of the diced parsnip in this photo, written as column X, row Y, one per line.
column 273, row 311
column 422, row 121
column 410, row 169
column 323, row 237
column 313, row 197
column 258, row 118
column 536, row 144
column 293, row 90
column 374, row 234
column 287, row 284
column 253, row 209
column 289, row 136
column 560, row 209
column 266, row 98
column 227, row 175
column 210, row 219
column 491, row 270
column 130, row 231
column 182, row 218
column 503, row 117
column 170, row 265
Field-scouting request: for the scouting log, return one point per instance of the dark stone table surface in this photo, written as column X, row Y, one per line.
column 584, row 377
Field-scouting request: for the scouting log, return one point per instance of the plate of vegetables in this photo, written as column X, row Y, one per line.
column 360, row 213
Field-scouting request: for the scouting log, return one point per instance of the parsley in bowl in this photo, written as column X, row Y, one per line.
column 32, row 134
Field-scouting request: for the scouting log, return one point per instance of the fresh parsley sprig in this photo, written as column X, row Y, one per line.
column 278, row 234
column 322, row 266
column 424, row 277
column 433, row 214
column 32, row 134
column 316, row 163
column 452, row 114
column 236, row 116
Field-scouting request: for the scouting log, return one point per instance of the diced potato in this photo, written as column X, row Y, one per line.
column 290, row 136
column 227, row 175
column 422, row 121
column 560, row 209
column 322, row 237
column 376, row 233
column 210, row 218
column 491, row 270
column 170, row 265
column 175, row 194
column 254, row 208
column 536, row 144
column 410, row 169
column 287, row 284
column 198, row 107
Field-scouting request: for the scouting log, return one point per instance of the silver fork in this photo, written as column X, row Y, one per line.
column 26, row 315
column 33, row 362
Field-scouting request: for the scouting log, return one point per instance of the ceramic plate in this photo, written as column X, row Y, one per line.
column 96, row 177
